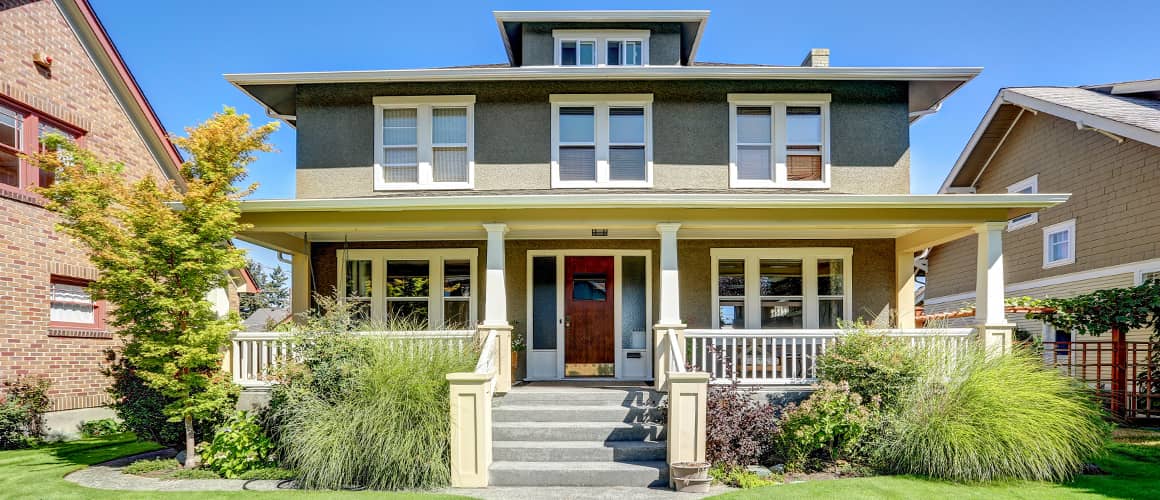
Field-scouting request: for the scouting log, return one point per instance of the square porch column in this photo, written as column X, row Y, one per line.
column 990, row 289
column 904, row 286
column 670, row 305
column 299, row 284
column 495, row 304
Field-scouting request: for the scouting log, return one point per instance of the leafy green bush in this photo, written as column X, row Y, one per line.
column 975, row 417
column 22, row 411
column 382, row 422
column 142, row 409
column 102, row 427
column 13, row 433
column 238, row 446
column 827, row 427
column 739, row 477
column 874, row 365
column 141, row 467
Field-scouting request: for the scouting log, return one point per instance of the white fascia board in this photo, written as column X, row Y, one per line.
column 611, row 73
column 732, row 200
column 1106, row 124
column 978, row 134
column 603, row 16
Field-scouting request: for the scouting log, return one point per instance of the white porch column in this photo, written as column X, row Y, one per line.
column 299, row 284
column 904, row 287
column 990, row 288
column 495, row 308
column 670, row 310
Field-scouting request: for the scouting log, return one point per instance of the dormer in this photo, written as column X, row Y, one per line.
column 615, row 38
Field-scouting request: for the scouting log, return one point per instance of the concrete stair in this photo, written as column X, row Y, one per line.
column 577, row 436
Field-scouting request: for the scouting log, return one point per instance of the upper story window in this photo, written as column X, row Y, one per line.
column 1029, row 185
column 779, row 140
column 21, row 130
column 1059, row 244
column 601, row 48
column 601, row 140
column 424, row 142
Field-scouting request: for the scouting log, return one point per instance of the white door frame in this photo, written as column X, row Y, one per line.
column 617, row 254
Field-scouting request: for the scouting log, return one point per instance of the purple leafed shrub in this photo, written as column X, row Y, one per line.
column 739, row 427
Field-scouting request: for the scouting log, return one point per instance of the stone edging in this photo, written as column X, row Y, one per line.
column 108, row 476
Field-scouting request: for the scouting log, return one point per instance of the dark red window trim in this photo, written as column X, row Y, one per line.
column 29, row 176
column 98, row 306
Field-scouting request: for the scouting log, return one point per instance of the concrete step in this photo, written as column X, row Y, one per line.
column 575, row 431
column 570, row 413
column 579, row 397
column 654, row 473
column 578, row 451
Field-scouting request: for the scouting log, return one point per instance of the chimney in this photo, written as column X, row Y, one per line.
column 817, row 58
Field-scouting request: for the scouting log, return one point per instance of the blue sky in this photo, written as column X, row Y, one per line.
column 179, row 50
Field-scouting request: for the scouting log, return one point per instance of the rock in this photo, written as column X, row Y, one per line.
column 761, row 472
column 778, row 468
column 181, row 458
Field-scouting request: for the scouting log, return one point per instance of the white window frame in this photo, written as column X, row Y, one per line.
column 425, row 150
column 435, row 258
column 778, row 104
column 1028, row 219
column 1141, row 272
column 1065, row 226
column 600, row 39
column 811, row 305
column 601, row 103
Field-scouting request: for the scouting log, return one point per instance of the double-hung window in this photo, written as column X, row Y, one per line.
column 21, row 130
column 424, row 142
column 601, row 47
column 781, row 288
column 779, row 140
column 1029, row 185
column 421, row 288
column 1059, row 244
column 601, row 140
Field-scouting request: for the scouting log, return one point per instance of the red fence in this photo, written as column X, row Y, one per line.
column 1126, row 375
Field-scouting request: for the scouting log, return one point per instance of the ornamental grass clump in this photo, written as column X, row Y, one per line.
column 388, row 426
column 979, row 417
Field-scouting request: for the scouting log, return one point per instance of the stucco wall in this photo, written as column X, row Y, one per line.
column 539, row 46
column 869, row 132
column 1111, row 188
column 872, row 266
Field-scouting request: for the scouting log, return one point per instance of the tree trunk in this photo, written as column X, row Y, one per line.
column 192, row 460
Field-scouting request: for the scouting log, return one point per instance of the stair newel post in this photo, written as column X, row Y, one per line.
column 470, row 429
column 688, row 393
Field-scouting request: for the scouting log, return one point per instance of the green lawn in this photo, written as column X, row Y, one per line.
column 39, row 473
column 1132, row 464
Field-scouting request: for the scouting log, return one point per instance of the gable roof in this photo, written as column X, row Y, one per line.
column 1129, row 109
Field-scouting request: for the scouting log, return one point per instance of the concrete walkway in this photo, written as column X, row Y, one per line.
column 108, row 476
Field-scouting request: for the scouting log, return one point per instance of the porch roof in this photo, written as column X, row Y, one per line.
column 914, row 220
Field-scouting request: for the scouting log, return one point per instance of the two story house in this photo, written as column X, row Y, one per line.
column 1099, row 142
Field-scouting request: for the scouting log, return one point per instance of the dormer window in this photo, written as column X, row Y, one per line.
column 601, row 48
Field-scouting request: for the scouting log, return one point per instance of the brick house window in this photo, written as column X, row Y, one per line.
column 71, row 305
column 21, row 130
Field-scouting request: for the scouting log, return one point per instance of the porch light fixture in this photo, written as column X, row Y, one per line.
column 599, row 232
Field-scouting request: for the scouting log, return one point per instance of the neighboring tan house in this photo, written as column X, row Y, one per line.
column 604, row 192
column 1099, row 142
column 59, row 72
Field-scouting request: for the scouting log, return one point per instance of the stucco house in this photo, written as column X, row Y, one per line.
column 1099, row 142
column 619, row 202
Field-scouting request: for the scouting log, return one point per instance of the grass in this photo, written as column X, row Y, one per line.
column 38, row 473
column 1132, row 464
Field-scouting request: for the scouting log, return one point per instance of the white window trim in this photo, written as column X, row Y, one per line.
column 423, row 106
column 601, row 104
column 435, row 257
column 1139, row 273
column 810, row 298
column 1029, row 219
column 1069, row 226
column 600, row 38
column 777, row 104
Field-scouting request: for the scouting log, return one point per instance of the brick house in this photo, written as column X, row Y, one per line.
column 1099, row 142
column 59, row 72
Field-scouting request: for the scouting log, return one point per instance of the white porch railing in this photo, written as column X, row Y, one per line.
column 786, row 357
column 255, row 355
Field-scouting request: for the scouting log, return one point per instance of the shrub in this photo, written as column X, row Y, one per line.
column 976, row 417
column 385, row 424
column 738, row 427
column 739, row 477
column 827, row 427
column 875, row 366
column 22, row 411
column 238, row 446
column 141, row 467
column 141, row 409
column 13, row 432
column 98, row 428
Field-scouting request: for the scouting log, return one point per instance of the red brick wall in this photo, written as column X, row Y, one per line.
column 30, row 249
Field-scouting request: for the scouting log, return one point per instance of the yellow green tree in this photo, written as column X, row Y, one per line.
column 160, row 250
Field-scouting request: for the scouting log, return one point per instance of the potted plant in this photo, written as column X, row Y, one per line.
column 690, row 477
column 519, row 344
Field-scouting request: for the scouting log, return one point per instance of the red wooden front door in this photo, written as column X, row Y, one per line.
column 589, row 312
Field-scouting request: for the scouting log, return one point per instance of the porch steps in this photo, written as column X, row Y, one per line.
column 586, row 436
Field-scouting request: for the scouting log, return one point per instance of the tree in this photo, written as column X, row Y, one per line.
column 273, row 285
column 160, row 250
